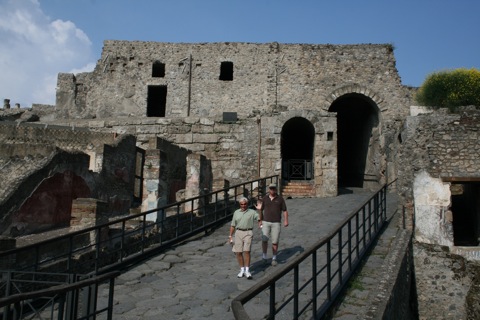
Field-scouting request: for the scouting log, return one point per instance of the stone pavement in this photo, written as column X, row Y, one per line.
column 198, row 279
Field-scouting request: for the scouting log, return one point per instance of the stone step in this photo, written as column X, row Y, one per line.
column 298, row 189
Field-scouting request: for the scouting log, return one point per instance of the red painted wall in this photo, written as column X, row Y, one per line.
column 51, row 203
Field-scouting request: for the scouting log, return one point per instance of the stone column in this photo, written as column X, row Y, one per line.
column 192, row 188
column 6, row 103
column 155, row 187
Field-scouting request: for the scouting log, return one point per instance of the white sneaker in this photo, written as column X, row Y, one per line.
column 240, row 274
column 248, row 275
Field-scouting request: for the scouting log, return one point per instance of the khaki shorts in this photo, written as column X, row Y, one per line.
column 243, row 241
column 271, row 231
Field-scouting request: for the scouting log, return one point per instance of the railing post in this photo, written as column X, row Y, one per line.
column 369, row 220
column 357, row 236
column 110, row 298
column 314, row 280
column 272, row 301
column 295, row 292
column 364, row 228
column 144, row 229
column 122, row 243
column 70, row 251
column 340, row 257
column 329, row 270
column 349, row 244
column 97, row 249
column 377, row 212
column 6, row 309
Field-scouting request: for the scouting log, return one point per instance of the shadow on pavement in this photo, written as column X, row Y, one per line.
column 282, row 257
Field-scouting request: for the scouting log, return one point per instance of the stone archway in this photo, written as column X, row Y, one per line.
column 297, row 142
column 358, row 149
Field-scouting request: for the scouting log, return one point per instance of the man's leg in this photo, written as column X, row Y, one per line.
column 246, row 260
column 240, row 263
column 275, row 240
column 240, row 259
column 274, row 249
column 264, row 247
column 265, row 236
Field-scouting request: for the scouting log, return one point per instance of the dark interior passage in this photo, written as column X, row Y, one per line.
column 156, row 101
column 356, row 117
column 297, row 140
column 466, row 214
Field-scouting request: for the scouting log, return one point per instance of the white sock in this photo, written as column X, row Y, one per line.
column 247, row 269
column 274, row 257
column 264, row 255
column 242, row 269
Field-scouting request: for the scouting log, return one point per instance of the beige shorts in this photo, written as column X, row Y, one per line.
column 243, row 241
column 271, row 231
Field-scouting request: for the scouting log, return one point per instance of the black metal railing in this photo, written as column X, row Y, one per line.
column 130, row 239
column 297, row 169
column 307, row 286
column 34, row 295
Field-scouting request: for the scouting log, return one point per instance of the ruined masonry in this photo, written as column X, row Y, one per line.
column 158, row 122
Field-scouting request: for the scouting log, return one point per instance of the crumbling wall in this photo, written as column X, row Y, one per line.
column 45, row 167
column 270, row 83
column 439, row 145
column 232, row 148
column 266, row 78
column 438, row 148
column 447, row 284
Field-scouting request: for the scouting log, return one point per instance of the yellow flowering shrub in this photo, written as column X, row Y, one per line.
column 450, row 89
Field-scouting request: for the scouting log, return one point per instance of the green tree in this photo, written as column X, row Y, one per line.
column 450, row 89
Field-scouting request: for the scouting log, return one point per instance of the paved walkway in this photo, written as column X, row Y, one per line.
column 198, row 279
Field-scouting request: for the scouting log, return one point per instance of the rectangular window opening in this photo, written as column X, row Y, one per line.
column 226, row 71
column 158, row 69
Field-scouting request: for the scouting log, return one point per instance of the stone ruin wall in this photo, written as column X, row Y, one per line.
column 43, row 167
column 267, row 78
column 231, row 148
column 438, row 148
column 271, row 83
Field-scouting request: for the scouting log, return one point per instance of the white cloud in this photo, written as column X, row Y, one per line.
column 34, row 49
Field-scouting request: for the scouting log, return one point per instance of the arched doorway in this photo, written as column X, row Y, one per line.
column 357, row 116
column 297, row 140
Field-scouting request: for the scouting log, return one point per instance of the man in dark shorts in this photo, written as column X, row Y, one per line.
column 271, row 209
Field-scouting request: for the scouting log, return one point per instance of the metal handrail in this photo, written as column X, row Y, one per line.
column 62, row 300
column 129, row 240
column 321, row 272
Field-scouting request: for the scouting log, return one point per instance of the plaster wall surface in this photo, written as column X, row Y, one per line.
column 432, row 200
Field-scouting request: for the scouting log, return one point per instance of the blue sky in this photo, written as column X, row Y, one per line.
column 40, row 38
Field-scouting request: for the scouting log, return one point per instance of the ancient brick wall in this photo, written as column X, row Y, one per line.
column 44, row 168
column 438, row 149
column 268, row 84
column 266, row 78
column 444, row 145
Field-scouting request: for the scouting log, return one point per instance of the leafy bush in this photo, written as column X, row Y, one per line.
column 450, row 89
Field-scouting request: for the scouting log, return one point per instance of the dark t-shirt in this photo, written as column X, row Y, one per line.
column 272, row 209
